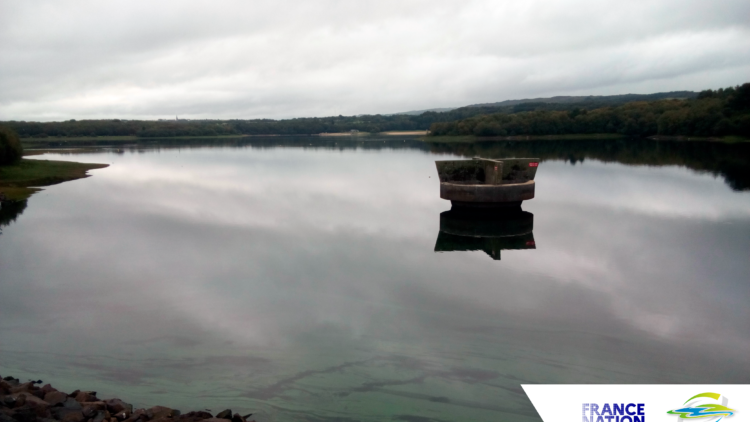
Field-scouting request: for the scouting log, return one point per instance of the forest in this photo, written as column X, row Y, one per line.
column 712, row 113
column 333, row 124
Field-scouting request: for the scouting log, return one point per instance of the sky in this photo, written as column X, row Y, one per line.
column 136, row 59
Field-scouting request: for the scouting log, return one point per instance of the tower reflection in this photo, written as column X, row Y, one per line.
column 462, row 230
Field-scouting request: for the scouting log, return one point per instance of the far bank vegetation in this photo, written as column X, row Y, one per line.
column 10, row 146
column 720, row 113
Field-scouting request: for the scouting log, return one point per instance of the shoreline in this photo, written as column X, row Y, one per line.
column 20, row 180
column 94, row 140
column 517, row 138
column 581, row 137
column 101, row 141
column 26, row 402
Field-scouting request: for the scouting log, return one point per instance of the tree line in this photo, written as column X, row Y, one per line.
column 712, row 113
column 10, row 146
column 299, row 126
column 307, row 126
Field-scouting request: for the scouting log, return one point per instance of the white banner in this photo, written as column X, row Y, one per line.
column 640, row 403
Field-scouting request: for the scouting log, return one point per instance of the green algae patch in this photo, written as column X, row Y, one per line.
column 20, row 180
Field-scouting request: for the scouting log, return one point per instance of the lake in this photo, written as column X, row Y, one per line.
column 298, row 278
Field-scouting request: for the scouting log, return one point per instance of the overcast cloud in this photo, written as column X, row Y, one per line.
column 278, row 59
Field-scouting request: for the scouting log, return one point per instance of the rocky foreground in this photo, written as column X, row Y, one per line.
column 26, row 402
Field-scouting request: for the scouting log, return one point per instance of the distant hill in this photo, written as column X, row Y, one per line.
column 418, row 112
column 582, row 100
column 560, row 106
column 724, row 112
column 614, row 99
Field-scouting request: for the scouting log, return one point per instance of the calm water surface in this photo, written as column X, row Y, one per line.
column 299, row 280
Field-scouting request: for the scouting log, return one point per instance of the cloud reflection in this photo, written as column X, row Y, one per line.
column 280, row 263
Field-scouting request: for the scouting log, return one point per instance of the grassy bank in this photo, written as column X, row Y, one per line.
column 20, row 180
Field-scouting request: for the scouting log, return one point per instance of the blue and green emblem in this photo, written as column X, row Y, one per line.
column 703, row 410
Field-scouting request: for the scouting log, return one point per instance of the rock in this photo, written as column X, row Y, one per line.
column 24, row 415
column 101, row 416
column 71, row 403
column 84, row 396
column 23, row 388
column 67, row 415
column 36, row 409
column 31, row 398
column 159, row 412
column 47, row 389
column 225, row 414
column 136, row 416
column 141, row 415
column 42, row 411
column 98, row 405
column 89, row 411
column 4, row 388
column 11, row 381
column 55, row 397
column 119, row 409
column 73, row 416
column 95, row 415
column 195, row 416
column 29, row 403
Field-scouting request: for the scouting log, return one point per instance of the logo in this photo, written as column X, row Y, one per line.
column 694, row 410
column 614, row 412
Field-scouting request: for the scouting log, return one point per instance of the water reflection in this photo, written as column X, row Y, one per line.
column 727, row 160
column 491, row 232
column 300, row 282
column 721, row 159
column 9, row 212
